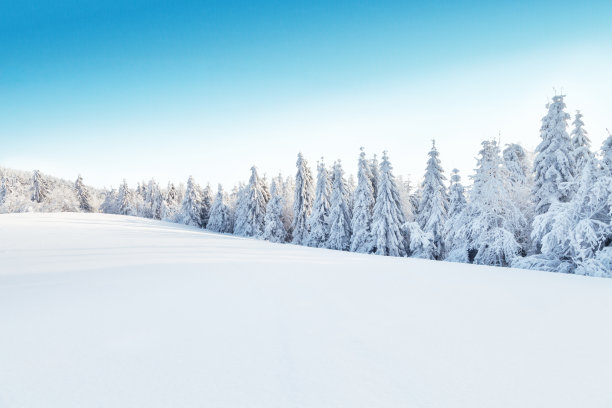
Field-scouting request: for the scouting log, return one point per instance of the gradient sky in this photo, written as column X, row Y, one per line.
column 141, row 89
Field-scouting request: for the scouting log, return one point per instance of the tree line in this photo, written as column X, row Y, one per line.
column 549, row 210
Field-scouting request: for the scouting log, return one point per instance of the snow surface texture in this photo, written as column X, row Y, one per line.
column 111, row 311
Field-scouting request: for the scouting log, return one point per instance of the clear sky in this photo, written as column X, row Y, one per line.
column 140, row 89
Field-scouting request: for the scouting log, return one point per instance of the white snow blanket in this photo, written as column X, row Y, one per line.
column 109, row 311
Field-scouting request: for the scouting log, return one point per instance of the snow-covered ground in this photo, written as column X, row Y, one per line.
column 110, row 311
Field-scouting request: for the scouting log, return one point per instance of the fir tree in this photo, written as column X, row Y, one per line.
column 388, row 217
column 554, row 163
column 434, row 202
column 457, row 204
column 250, row 216
column 191, row 209
column 573, row 233
column 125, row 200
column 274, row 230
column 363, row 205
column 39, row 187
column 219, row 219
column 405, row 190
column 156, row 200
column 171, row 204
column 606, row 154
column 207, row 199
column 374, row 175
column 520, row 187
column 581, row 144
column 339, row 217
column 109, row 205
column 318, row 221
column 302, row 203
column 83, row 195
column 491, row 221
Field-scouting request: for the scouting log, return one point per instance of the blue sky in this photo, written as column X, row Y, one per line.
column 166, row 89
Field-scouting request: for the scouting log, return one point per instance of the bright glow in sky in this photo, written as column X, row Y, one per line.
column 143, row 89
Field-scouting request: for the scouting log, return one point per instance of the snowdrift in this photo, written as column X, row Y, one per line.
column 112, row 311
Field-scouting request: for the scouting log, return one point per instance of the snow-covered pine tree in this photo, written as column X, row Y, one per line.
column 518, row 166
column 282, row 188
column 581, row 144
column 420, row 243
column 388, row 217
column 363, row 205
column 302, row 202
column 339, row 216
column 457, row 204
column 219, row 219
column 191, row 208
column 351, row 185
column 250, row 216
column 318, row 220
column 374, row 175
column 554, row 164
column 405, row 190
column 274, row 230
column 109, row 205
column 491, row 221
column 39, row 187
column 265, row 188
column 573, row 233
column 156, row 199
column 171, row 205
column 5, row 189
column 125, row 200
column 83, row 195
column 606, row 154
column 433, row 207
column 207, row 199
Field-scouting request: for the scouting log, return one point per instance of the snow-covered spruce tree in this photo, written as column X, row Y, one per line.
column 405, row 190
column 554, row 164
column 109, row 205
column 125, row 200
column 318, row 220
column 457, row 204
column 351, row 185
column 573, row 233
column 207, row 199
column 83, row 195
column 302, row 202
column 274, row 230
column 581, row 144
column 606, row 154
column 388, row 217
column 171, row 204
column 433, row 207
column 265, row 188
column 420, row 243
column 157, row 200
column 517, row 164
column 191, row 209
column 39, row 187
column 283, row 188
column 288, row 197
column 5, row 189
column 252, row 211
column 219, row 219
column 340, row 215
column 374, row 175
column 363, row 205
column 492, row 221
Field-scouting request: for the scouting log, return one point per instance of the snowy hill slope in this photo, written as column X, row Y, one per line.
column 111, row 311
